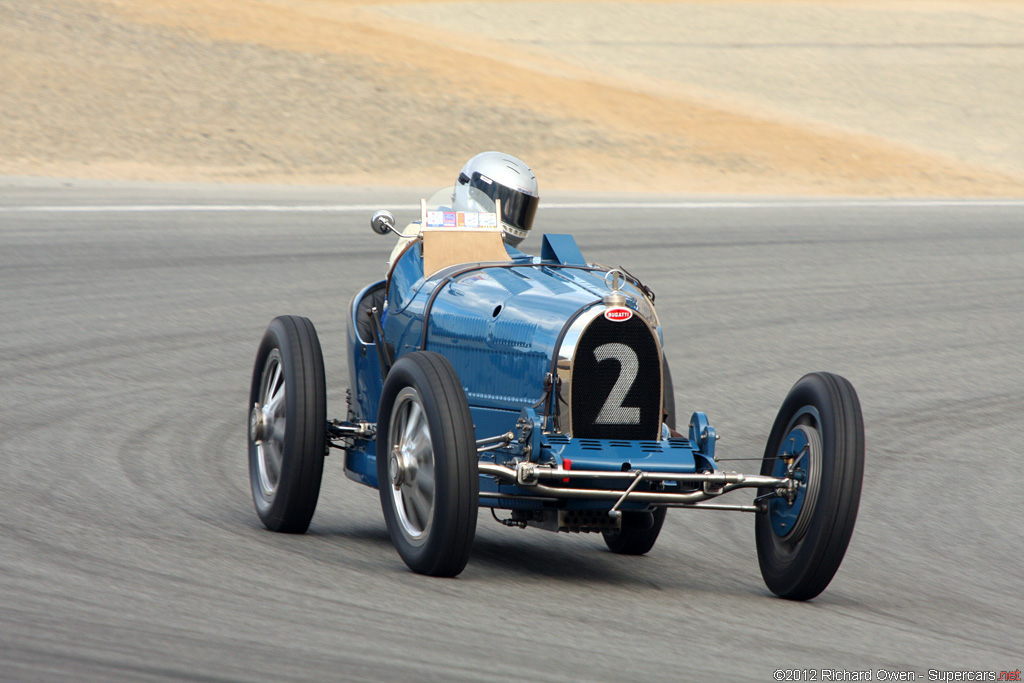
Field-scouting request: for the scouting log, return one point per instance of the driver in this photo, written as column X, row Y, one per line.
column 501, row 177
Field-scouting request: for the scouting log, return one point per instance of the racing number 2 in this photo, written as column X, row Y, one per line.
column 613, row 412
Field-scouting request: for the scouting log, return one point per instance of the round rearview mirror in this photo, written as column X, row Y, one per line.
column 383, row 223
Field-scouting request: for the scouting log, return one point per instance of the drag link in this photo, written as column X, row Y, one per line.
column 614, row 512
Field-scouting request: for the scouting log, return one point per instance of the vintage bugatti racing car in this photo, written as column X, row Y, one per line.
column 537, row 387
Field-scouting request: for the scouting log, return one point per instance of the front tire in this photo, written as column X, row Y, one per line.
column 287, row 425
column 801, row 539
column 427, row 464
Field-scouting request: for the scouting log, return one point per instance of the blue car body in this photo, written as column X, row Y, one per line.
column 512, row 331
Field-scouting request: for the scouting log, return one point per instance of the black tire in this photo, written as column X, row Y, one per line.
column 285, row 469
column 424, row 426
column 640, row 530
column 800, row 545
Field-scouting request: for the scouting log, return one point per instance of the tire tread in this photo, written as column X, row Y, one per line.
column 295, row 501
column 821, row 551
column 448, row 555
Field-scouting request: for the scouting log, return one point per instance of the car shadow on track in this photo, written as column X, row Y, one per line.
column 568, row 560
column 503, row 554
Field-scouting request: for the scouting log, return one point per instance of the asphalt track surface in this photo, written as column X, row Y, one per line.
column 129, row 548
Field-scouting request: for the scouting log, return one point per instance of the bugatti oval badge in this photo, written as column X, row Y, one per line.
column 618, row 315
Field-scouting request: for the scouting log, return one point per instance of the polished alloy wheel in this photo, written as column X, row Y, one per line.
column 411, row 465
column 267, row 425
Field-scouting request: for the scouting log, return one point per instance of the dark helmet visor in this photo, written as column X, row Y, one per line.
column 517, row 207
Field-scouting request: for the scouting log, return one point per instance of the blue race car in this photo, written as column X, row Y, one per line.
column 537, row 387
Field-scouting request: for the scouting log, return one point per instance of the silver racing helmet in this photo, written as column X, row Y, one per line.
column 500, row 177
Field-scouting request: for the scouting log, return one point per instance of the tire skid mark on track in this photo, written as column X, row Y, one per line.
column 108, row 351
column 223, row 502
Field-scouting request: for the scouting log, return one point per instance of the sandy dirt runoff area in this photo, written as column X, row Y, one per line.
column 899, row 98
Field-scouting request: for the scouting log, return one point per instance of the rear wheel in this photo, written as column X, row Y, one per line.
column 427, row 464
column 287, row 425
column 819, row 436
column 640, row 530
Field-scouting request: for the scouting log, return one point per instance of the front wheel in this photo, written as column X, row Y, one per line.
column 818, row 438
column 287, row 424
column 427, row 464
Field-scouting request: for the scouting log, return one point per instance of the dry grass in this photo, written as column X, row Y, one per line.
column 308, row 91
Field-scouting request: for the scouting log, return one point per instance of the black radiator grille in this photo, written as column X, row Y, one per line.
column 607, row 402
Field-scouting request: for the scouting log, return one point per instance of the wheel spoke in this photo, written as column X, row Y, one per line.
column 412, row 426
column 426, row 464
column 275, row 400
column 274, row 462
column 419, row 448
column 421, row 508
column 279, row 424
column 272, row 386
column 270, row 461
column 399, row 428
column 425, row 484
column 412, row 520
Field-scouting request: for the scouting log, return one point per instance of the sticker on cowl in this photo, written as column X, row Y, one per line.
column 461, row 219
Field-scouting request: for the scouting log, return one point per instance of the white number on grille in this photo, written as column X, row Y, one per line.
column 613, row 412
